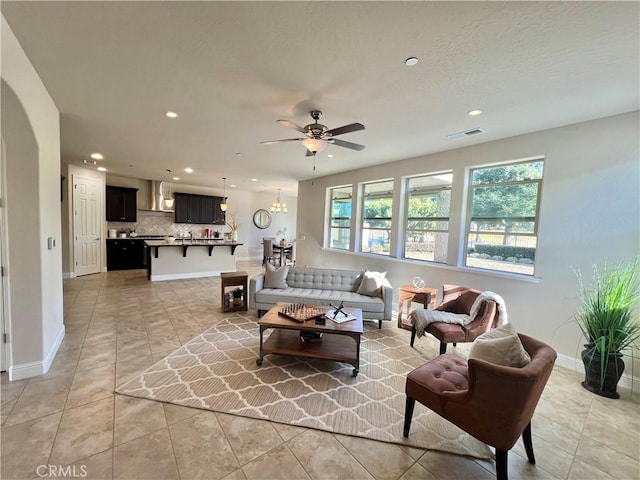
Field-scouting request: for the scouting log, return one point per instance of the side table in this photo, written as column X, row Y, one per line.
column 408, row 293
column 229, row 280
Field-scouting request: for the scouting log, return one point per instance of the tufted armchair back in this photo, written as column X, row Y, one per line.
column 458, row 299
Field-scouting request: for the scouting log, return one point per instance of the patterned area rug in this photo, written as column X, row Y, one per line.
column 217, row 371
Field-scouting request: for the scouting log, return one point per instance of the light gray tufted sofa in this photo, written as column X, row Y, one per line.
column 319, row 286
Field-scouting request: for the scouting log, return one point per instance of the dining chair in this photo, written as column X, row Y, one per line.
column 267, row 255
column 290, row 255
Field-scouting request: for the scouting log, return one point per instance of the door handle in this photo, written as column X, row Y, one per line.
column 98, row 238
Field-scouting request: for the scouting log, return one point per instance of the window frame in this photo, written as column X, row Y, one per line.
column 470, row 218
column 406, row 219
column 363, row 218
column 332, row 218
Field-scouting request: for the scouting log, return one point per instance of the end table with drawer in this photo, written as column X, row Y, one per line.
column 408, row 293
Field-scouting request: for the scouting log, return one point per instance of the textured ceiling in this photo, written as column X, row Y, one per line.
column 231, row 69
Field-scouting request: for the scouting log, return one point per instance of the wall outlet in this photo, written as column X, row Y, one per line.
column 51, row 243
column 302, row 237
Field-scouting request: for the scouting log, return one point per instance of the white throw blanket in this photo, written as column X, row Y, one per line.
column 422, row 317
column 489, row 296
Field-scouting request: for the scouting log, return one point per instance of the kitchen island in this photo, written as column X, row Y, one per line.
column 189, row 258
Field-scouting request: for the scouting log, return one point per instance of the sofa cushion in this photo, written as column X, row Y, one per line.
column 276, row 278
column 324, row 279
column 500, row 346
column 371, row 283
column 310, row 296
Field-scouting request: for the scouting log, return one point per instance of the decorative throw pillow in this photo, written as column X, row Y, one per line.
column 276, row 278
column 500, row 346
column 371, row 283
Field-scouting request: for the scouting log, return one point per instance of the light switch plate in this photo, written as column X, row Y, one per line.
column 51, row 243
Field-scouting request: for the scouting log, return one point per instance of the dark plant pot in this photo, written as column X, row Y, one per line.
column 237, row 301
column 613, row 371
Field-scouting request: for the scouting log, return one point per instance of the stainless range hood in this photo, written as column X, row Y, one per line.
column 157, row 190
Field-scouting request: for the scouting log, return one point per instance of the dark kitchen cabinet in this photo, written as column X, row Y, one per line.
column 203, row 209
column 122, row 204
column 125, row 254
column 188, row 208
column 208, row 210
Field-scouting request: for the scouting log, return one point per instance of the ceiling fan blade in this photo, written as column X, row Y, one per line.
column 289, row 124
column 342, row 143
column 308, row 154
column 269, row 142
column 352, row 127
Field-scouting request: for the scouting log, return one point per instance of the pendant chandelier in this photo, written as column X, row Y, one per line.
column 223, row 204
column 277, row 206
column 168, row 201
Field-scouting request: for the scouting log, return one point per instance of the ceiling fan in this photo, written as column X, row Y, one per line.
column 317, row 136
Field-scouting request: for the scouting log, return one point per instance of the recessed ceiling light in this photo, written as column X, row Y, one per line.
column 330, row 156
column 176, row 178
column 171, row 114
column 475, row 112
column 411, row 61
column 233, row 185
column 102, row 169
column 188, row 170
column 238, row 154
column 97, row 156
column 254, row 179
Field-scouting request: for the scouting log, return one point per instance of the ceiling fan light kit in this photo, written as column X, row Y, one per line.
column 317, row 136
column 314, row 145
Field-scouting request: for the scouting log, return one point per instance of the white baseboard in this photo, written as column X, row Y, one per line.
column 67, row 275
column 576, row 365
column 182, row 276
column 33, row 369
column 249, row 259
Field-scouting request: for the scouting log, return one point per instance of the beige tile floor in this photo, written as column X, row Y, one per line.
column 118, row 324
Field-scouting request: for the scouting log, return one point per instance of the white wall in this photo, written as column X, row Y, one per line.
column 589, row 214
column 31, row 130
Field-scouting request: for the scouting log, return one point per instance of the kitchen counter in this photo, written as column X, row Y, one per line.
column 185, row 244
column 186, row 258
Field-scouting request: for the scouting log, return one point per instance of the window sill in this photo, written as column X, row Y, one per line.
column 443, row 266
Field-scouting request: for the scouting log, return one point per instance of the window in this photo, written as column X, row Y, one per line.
column 427, row 223
column 340, row 234
column 376, row 217
column 503, row 222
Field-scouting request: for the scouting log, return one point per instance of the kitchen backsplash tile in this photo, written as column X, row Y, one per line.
column 161, row 223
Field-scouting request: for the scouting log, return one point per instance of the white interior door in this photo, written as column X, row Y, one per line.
column 87, row 221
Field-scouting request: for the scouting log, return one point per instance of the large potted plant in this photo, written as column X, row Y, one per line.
column 608, row 319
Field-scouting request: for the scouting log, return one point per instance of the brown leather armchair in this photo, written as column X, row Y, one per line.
column 457, row 299
column 493, row 403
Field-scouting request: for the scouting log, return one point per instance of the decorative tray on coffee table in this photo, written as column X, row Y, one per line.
column 301, row 312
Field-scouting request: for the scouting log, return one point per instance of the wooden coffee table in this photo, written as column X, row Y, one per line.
column 340, row 341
